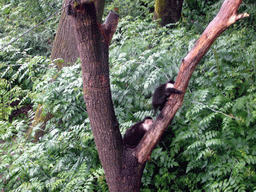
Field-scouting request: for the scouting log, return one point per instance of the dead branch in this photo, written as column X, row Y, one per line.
column 225, row 18
column 109, row 26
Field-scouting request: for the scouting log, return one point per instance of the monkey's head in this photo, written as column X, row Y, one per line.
column 170, row 84
column 147, row 122
column 171, row 81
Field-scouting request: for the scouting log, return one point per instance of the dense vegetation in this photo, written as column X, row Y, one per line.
column 210, row 145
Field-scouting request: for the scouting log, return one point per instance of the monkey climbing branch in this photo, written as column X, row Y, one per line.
column 225, row 18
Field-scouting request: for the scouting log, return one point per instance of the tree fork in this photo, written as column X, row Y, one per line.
column 225, row 18
column 122, row 170
column 124, row 166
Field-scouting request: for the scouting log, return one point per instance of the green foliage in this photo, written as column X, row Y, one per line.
column 142, row 9
column 24, row 71
column 16, row 82
column 53, row 164
column 7, row 97
column 32, row 12
column 65, row 158
column 63, row 97
column 219, row 140
column 210, row 145
column 217, row 121
column 197, row 14
column 141, row 58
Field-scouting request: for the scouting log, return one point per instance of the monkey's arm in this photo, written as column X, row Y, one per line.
column 170, row 91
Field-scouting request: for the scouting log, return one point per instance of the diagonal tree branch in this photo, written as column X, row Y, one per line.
column 225, row 18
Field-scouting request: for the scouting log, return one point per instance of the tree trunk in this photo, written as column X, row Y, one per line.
column 124, row 166
column 169, row 11
column 64, row 47
column 122, row 170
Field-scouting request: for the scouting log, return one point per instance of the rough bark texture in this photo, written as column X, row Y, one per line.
column 99, row 5
column 64, row 45
column 169, row 11
column 97, row 95
column 122, row 170
column 131, row 172
column 108, row 28
column 226, row 17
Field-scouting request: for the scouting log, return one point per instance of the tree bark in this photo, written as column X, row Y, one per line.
column 122, row 170
column 169, row 11
column 124, row 166
column 96, row 87
column 99, row 5
column 64, row 45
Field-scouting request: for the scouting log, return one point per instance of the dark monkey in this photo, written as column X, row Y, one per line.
column 162, row 93
column 134, row 134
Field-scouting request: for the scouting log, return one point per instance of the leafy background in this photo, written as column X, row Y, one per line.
column 210, row 145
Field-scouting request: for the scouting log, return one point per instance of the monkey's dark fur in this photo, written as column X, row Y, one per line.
column 134, row 134
column 162, row 93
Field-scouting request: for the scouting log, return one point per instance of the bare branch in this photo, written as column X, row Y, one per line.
column 109, row 26
column 226, row 17
column 216, row 111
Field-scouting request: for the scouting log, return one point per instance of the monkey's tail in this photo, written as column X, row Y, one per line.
column 177, row 91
